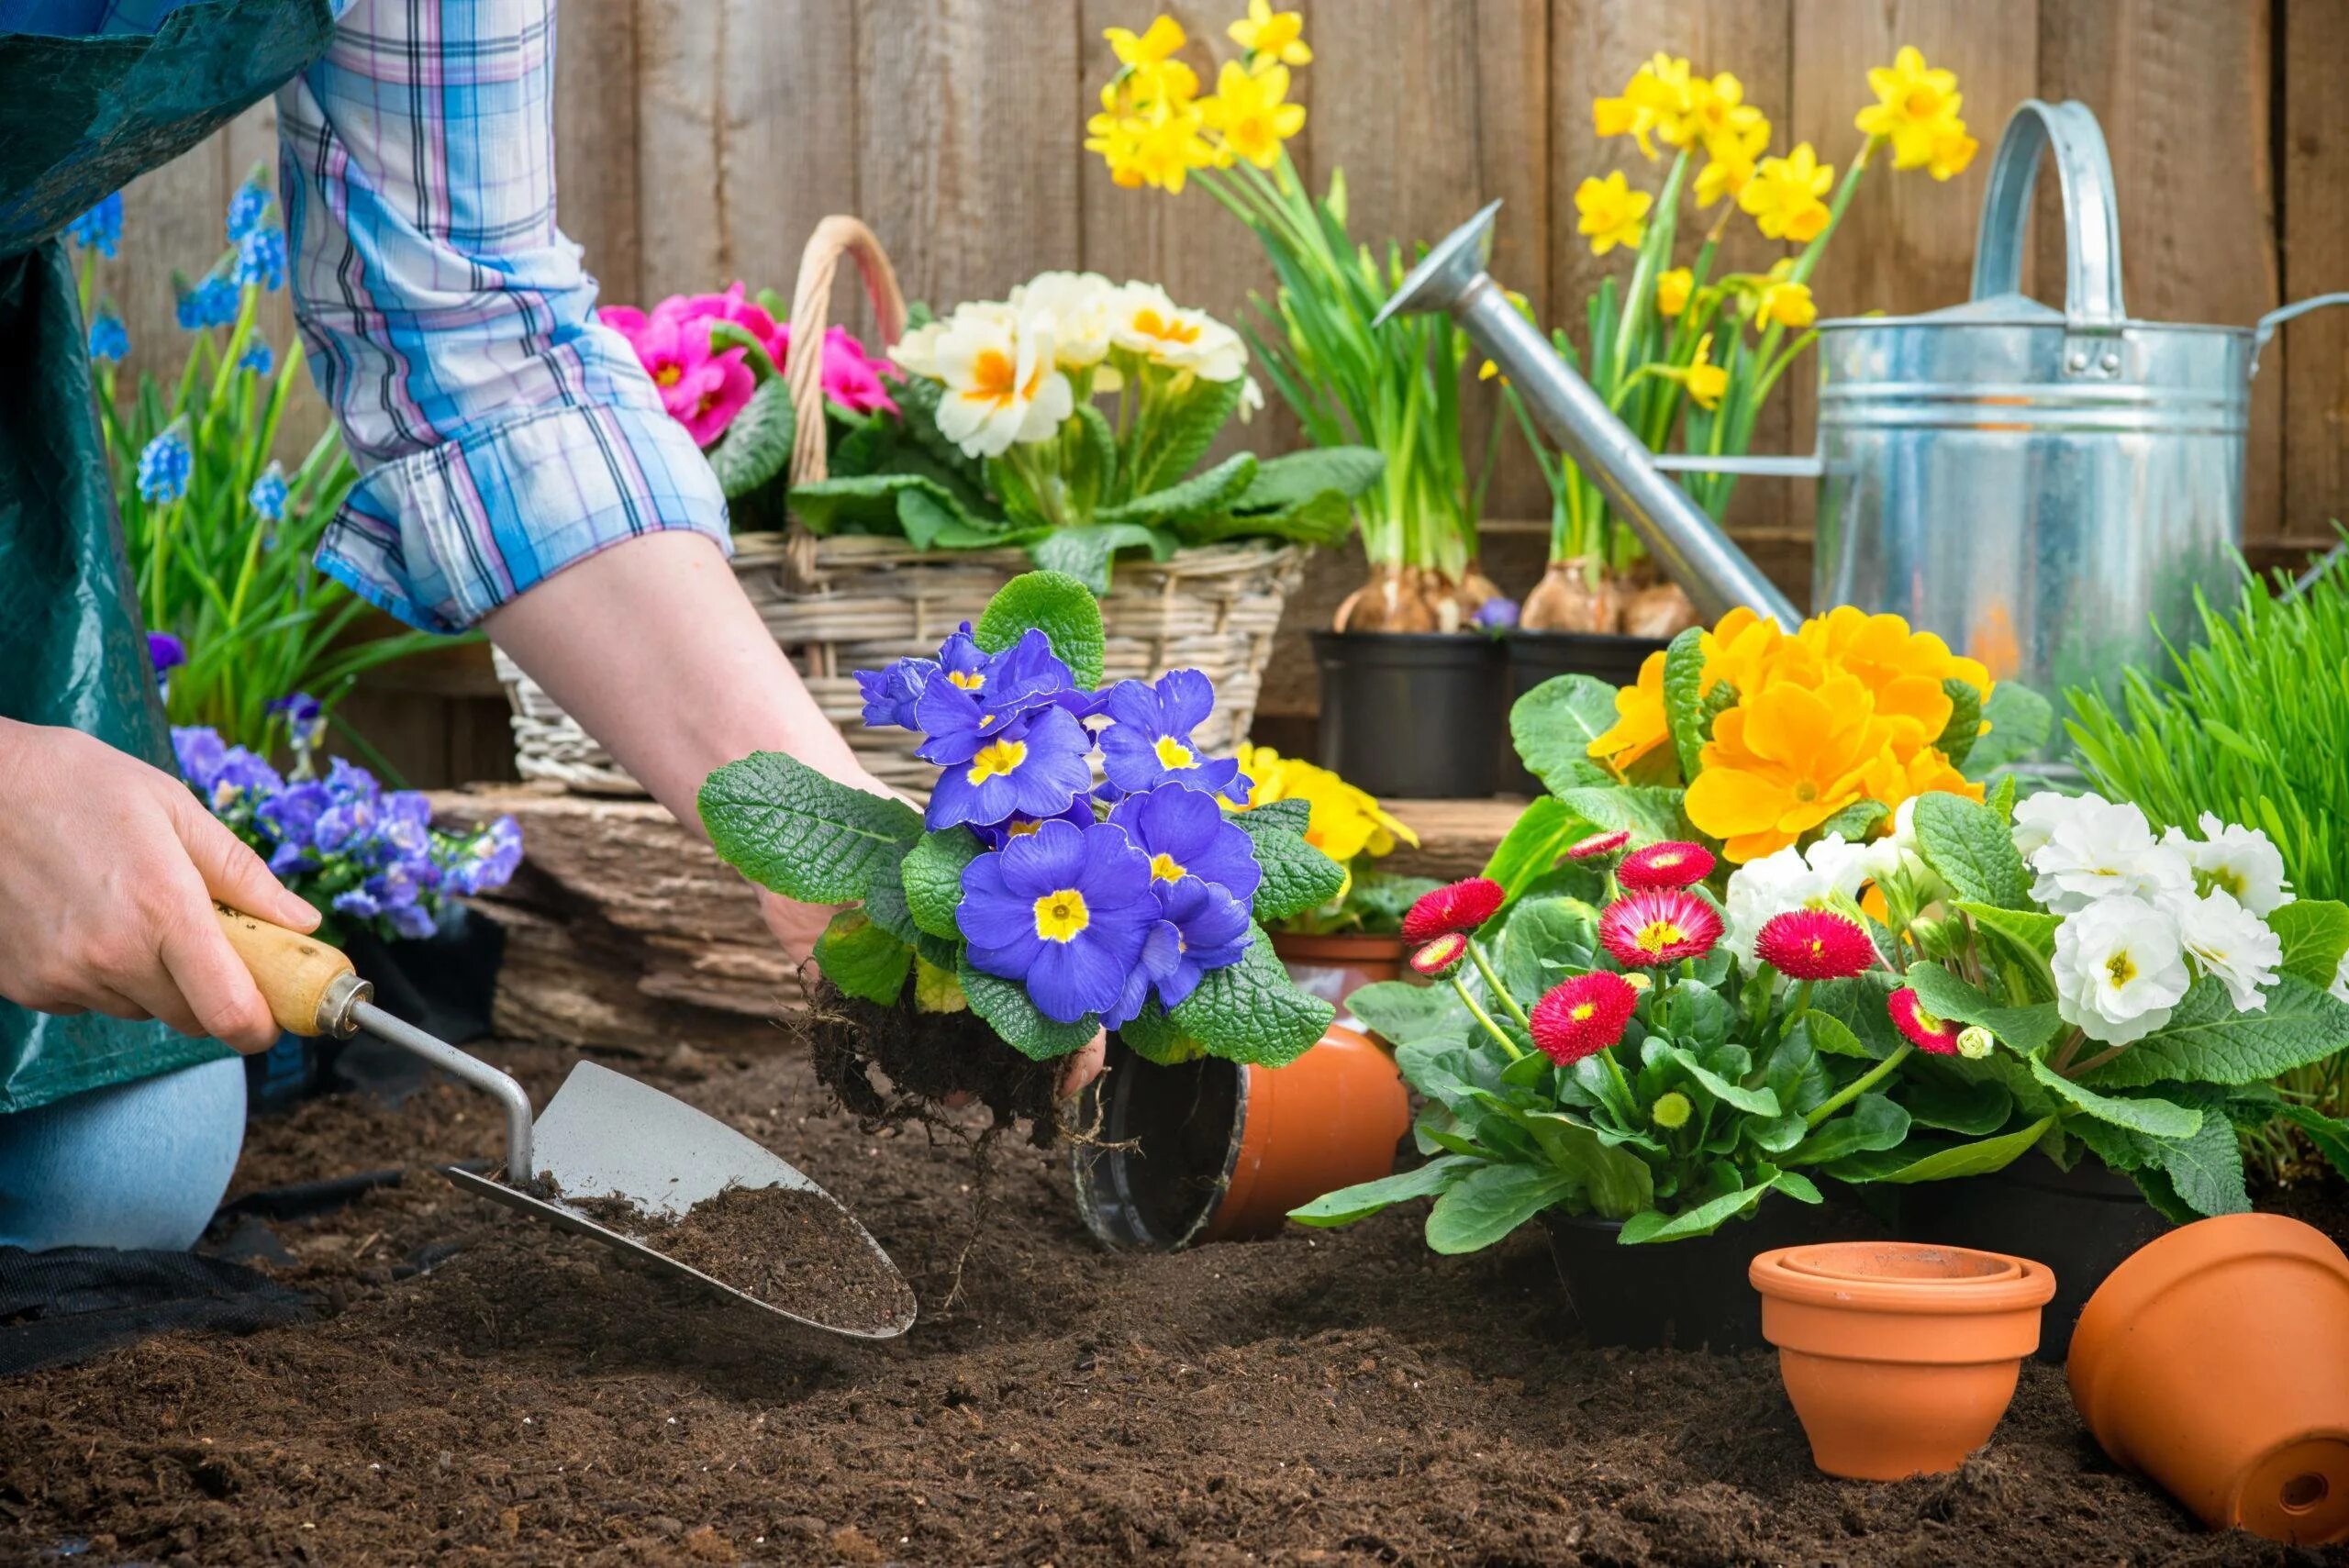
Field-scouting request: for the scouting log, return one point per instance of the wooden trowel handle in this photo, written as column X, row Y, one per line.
column 310, row 986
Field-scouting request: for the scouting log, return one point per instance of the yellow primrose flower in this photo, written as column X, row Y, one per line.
column 1903, row 671
column 1612, row 213
column 1729, row 161
column 1159, row 42
column 1782, row 300
column 1914, row 106
column 1783, row 195
column 1640, row 724
column 1782, row 761
column 1345, row 821
column 1250, row 114
column 1705, row 381
column 1271, row 35
column 1672, row 291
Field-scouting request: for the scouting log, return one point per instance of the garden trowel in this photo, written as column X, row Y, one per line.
column 602, row 1134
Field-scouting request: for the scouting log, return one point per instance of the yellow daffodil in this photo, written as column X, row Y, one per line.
column 1673, row 97
column 1250, row 114
column 1159, row 42
column 1784, row 195
column 1729, row 161
column 1640, row 724
column 1953, row 150
column 1782, row 761
column 1672, row 291
column 1721, row 114
column 1271, row 37
column 1915, row 106
column 1781, row 300
column 1621, row 117
column 1705, row 381
column 1612, row 213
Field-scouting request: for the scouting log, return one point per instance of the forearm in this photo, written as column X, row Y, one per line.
column 652, row 646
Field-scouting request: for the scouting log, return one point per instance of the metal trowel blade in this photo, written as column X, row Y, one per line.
column 605, row 1133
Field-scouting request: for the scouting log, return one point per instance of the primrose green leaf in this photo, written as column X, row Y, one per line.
column 2028, row 932
column 1754, row 1102
column 2021, row 721
column 1005, row 1007
column 936, row 990
column 1252, row 1012
column 885, row 906
column 862, row 959
column 1179, row 435
column 932, row 875
column 866, row 501
column 2155, row 1118
column 1084, row 553
column 1650, row 812
column 1198, row 496
column 1972, row 851
column 793, row 830
column 1873, row 1123
column 2329, row 1134
column 1964, row 725
column 1855, row 821
column 1294, row 817
column 2022, row 1030
column 1489, row 1203
column 2206, row 1170
column 2315, row 933
column 1298, row 876
column 1365, row 1198
column 757, row 443
column 1060, row 607
column 2207, row 1042
column 1297, row 478
column 1322, row 521
column 1554, row 725
column 1542, row 831
column 1684, row 700
column 1707, row 1217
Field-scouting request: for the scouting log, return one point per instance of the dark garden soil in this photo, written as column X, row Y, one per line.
column 923, row 1058
column 1331, row 1398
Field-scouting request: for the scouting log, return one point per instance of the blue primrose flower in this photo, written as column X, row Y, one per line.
column 164, row 465
column 100, row 228
column 1186, row 834
column 1150, row 742
column 998, row 834
column 109, row 339
column 1067, row 912
column 1028, row 767
column 1211, row 930
column 1022, row 678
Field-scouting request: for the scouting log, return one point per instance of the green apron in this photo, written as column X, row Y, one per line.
column 80, row 118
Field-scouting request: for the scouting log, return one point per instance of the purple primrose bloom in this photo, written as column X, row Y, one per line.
column 1150, row 743
column 1066, row 911
column 1185, row 833
column 1034, row 766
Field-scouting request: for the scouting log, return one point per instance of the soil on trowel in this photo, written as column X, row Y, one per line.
column 926, row 1059
column 479, row 1389
column 789, row 1247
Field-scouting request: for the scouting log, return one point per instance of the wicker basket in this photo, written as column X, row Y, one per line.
column 839, row 604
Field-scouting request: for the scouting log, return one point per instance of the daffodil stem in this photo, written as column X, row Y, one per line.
column 1858, row 1086
column 1484, row 968
column 1485, row 1019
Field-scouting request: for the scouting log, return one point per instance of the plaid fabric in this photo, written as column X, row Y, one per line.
column 501, row 433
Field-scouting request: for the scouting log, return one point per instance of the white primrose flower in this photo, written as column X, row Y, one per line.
column 1150, row 323
column 2230, row 942
column 917, row 351
column 1001, row 384
column 2339, row 989
column 2105, row 851
column 2037, row 817
column 2119, row 969
column 1079, row 308
column 2240, row 860
column 1830, row 875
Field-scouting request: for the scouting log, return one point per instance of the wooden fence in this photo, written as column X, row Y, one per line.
column 699, row 140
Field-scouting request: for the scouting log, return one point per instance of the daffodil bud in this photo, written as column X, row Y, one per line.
column 1974, row 1042
column 1671, row 1111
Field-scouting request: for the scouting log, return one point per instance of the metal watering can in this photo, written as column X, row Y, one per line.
column 2038, row 487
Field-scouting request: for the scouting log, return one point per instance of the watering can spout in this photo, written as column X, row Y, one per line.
column 1715, row 574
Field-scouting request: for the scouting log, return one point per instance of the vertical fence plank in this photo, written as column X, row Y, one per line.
column 2183, row 94
column 787, row 137
column 594, row 141
column 681, row 234
column 2315, row 261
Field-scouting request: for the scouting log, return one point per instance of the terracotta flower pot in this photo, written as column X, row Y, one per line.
column 2216, row 1361
column 1212, row 1150
column 1334, row 967
column 1899, row 1358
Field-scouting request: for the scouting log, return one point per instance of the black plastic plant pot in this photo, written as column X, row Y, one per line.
column 1691, row 1295
column 445, row 983
column 1413, row 716
column 1538, row 656
column 2082, row 1223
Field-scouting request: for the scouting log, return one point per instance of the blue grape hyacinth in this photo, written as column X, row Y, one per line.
column 109, row 339
column 260, row 259
column 100, row 228
column 267, row 496
column 165, row 465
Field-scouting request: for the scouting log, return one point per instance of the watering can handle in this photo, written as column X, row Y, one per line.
column 2091, row 221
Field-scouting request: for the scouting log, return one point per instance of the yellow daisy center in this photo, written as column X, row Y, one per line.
column 1172, row 753
column 1658, row 935
column 969, row 680
column 1061, row 916
column 1167, row 868
column 996, row 759
column 1582, row 1012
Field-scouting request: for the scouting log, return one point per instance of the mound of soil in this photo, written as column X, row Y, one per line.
column 926, row 1059
column 482, row 1389
column 788, row 1247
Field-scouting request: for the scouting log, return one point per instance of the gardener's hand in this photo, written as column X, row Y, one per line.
column 108, row 871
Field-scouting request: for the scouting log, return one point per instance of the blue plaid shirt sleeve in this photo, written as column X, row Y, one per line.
column 500, row 432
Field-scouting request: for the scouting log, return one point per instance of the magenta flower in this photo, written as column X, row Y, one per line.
column 852, row 380
column 701, row 390
column 731, row 305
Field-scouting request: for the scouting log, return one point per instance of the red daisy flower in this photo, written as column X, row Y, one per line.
column 1921, row 1029
column 1815, row 944
column 1670, row 864
column 1461, row 906
column 1599, row 845
column 1583, row 1016
column 1440, row 957
column 1651, row 929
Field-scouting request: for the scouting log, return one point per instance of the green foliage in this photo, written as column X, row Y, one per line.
column 933, row 876
column 1554, row 725
column 1970, row 848
column 1060, row 607
column 862, row 959
column 1084, row 553
column 1544, row 830
column 1684, row 700
column 1298, row 876
column 2021, row 721
column 756, row 446
column 1650, row 812
column 1197, row 496
column 1005, row 1007
column 793, row 830
column 2207, row 1042
column 1360, row 1201
column 1250, row 1012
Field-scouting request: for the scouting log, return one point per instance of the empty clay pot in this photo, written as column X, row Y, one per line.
column 2216, row 1361
column 1899, row 1358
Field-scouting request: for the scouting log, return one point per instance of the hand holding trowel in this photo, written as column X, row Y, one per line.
column 640, row 1171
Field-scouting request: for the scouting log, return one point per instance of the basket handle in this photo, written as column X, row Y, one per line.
column 811, row 302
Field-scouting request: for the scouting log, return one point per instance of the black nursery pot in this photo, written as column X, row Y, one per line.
column 1413, row 716
column 2082, row 1223
column 1538, row 656
column 1691, row 1295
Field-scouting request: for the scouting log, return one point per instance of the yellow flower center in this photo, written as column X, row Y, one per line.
column 1172, row 753
column 1020, row 827
column 996, row 759
column 1582, row 1012
column 1148, row 323
column 1929, row 1023
column 1922, row 103
column 1167, row 868
column 1061, row 916
column 1805, row 791
column 969, row 680
column 669, row 375
column 996, row 379
column 2229, row 879
column 2121, row 969
column 1658, row 935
